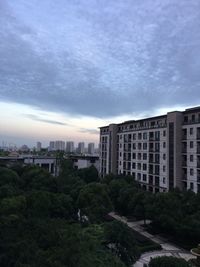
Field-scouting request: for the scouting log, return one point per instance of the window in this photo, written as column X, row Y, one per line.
column 164, row 168
column 191, row 144
column 144, row 156
column 191, row 131
column 164, row 133
column 144, row 177
column 144, row 167
column 144, row 146
column 185, row 118
column 164, row 156
column 133, row 155
column 139, row 136
column 157, row 169
column 191, row 172
column 157, row 158
column 164, row 180
column 139, row 156
column 134, row 136
column 193, row 118
column 144, row 136
column 139, row 166
column 164, row 145
column 157, row 147
column 139, row 176
column 133, row 165
column 157, row 135
column 139, row 146
column 191, row 158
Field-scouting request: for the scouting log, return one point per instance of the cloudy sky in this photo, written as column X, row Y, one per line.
column 70, row 66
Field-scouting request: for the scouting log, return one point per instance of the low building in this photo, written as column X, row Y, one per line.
column 80, row 162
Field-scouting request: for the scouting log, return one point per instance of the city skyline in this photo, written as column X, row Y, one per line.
column 70, row 67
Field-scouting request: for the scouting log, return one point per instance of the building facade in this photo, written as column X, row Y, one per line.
column 81, row 148
column 70, row 147
column 57, row 145
column 160, row 152
column 91, row 150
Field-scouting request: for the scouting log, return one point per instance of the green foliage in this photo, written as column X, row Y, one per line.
column 174, row 213
column 168, row 262
column 94, row 201
column 7, row 176
column 39, row 225
column 122, row 242
column 88, row 175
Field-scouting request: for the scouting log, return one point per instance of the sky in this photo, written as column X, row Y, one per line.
column 68, row 67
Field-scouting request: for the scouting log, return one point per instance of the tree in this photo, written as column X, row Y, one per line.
column 94, row 202
column 122, row 242
column 89, row 175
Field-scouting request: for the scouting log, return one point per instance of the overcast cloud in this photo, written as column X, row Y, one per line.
column 100, row 58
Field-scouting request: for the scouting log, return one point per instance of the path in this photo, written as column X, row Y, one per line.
column 168, row 249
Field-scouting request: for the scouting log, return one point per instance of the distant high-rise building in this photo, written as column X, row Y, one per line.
column 56, row 145
column 39, row 146
column 51, row 146
column 91, row 148
column 69, row 147
column 81, row 148
column 60, row 145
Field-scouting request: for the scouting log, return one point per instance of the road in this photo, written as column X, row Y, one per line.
column 168, row 249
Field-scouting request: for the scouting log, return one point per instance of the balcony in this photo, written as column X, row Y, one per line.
column 150, row 171
column 184, row 150
column 184, row 177
column 184, row 137
column 184, row 163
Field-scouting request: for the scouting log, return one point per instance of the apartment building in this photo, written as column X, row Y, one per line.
column 70, row 147
column 57, row 145
column 161, row 152
column 81, row 148
column 91, row 148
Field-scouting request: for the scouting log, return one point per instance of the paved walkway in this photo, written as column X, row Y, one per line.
column 168, row 249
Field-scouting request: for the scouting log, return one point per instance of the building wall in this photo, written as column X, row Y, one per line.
column 161, row 152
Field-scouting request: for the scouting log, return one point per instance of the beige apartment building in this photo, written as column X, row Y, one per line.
column 161, row 152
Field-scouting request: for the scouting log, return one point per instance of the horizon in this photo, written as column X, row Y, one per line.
column 70, row 67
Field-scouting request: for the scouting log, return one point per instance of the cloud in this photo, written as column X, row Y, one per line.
column 90, row 131
column 38, row 118
column 100, row 58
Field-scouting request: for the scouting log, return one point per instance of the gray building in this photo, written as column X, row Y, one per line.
column 161, row 152
column 91, row 150
column 81, row 148
column 69, row 147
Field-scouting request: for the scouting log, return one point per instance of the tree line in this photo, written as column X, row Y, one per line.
column 63, row 221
